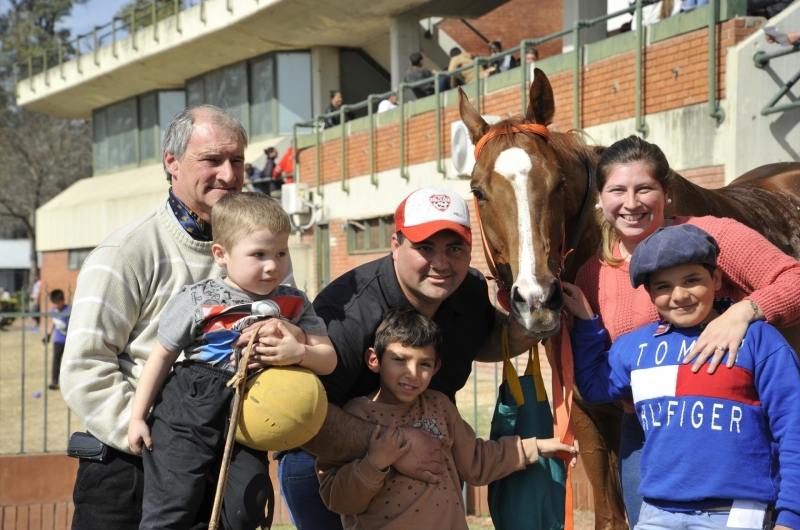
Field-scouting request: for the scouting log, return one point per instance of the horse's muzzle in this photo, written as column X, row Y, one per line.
column 537, row 312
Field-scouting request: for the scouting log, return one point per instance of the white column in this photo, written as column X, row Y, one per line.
column 404, row 40
column 583, row 10
column 325, row 76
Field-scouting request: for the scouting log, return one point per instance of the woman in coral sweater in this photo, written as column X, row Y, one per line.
column 633, row 185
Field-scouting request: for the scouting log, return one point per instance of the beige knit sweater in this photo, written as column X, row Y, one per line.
column 122, row 288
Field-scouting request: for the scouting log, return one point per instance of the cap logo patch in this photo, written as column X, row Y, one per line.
column 440, row 202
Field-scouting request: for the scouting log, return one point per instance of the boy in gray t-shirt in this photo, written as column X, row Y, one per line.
column 185, row 434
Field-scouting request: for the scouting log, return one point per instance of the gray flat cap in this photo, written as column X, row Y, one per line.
column 671, row 246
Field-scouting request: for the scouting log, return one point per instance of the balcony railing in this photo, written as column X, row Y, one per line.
column 106, row 35
column 728, row 8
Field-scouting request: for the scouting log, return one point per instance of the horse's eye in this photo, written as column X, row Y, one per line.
column 478, row 194
column 561, row 184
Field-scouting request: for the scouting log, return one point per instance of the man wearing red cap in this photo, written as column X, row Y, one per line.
column 429, row 270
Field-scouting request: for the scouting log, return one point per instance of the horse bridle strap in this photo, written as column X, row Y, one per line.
column 535, row 128
column 503, row 292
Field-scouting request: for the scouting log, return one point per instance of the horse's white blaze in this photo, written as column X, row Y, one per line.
column 515, row 164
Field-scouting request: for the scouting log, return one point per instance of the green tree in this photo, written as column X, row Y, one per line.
column 41, row 155
column 144, row 11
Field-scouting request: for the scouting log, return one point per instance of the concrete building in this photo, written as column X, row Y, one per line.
column 15, row 263
column 272, row 63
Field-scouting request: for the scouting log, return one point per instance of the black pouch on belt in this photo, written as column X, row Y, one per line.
column 84, row 445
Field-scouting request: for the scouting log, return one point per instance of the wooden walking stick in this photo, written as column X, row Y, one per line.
column 239, row 381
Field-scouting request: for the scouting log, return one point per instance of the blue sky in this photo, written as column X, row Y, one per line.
column 93, row 13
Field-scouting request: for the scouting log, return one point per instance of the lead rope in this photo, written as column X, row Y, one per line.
column 239, row 382
column 563, row 372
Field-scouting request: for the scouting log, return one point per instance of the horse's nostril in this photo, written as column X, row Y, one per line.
column 556, row 299
column 516, row 297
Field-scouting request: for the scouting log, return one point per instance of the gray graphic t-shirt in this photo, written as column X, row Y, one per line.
column 205, row 319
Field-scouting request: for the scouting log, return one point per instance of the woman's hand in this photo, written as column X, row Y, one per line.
column 576, row 301
column 723, row 334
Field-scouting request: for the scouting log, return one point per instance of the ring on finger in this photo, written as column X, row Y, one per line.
column 721, row 348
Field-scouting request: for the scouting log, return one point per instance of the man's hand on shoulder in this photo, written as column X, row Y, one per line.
column 425, row 460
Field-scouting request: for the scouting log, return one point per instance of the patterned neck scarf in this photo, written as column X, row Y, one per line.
column 194, row 226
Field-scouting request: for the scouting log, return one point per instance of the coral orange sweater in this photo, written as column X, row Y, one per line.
column 752, row 268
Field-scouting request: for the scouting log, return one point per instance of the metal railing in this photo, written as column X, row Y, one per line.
column 476, row 399
column 761, row 60
column 714, row 110
column 25, row 356
column 105, row 35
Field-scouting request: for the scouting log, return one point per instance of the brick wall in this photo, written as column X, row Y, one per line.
column 607, row 95
column 711, row 177
column 36, row 492
column 55, row 273
column 511, row 22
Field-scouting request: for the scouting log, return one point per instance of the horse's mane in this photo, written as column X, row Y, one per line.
column 569, row 146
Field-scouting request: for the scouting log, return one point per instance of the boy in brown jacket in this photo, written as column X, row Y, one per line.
column 368, row 492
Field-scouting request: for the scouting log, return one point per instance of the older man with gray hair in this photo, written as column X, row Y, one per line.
column 122, row 288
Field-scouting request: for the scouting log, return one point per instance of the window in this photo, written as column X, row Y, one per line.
column 370, row 235
column 122, row 138
column 170, row 102
column 360, row 77
column 76, row 257
column 148, row 127
column 269, row 94
column 225, row 88
column 262, row 97
column 129, row 133
column 294, row 89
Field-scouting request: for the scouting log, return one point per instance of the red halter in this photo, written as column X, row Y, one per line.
column 563, row 378
column 503, row 290
column 535, row 128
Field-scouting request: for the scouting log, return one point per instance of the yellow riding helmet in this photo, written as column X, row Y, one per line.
column 282, row 408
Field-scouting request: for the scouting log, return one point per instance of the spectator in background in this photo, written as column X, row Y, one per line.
column 388, row 103
column 766, row 8
column 33, row 303
column 531, row 56
column 4, row 295
column 688, row 5
column 664, row 9
column 418, row 72
column 250, row 174
column 501, row 64
column 58, row 332
column 793, row 38
column 272, row 176
column 458, row 59
column 336, row 104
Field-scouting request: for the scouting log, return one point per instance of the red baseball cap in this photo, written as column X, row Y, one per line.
column 431, row 210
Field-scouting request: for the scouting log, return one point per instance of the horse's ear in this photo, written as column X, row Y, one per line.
column 541, row 105
column 476, row 125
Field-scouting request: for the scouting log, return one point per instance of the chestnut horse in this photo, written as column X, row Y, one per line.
column 532, row 194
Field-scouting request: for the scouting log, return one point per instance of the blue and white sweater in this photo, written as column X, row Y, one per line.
column 711, row 439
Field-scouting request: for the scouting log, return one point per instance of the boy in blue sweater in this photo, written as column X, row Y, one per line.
column 722, row 449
